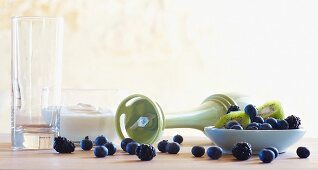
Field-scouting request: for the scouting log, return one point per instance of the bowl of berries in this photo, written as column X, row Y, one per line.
column 261, row 127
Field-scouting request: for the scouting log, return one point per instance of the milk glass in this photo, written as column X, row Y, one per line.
column 89, row 112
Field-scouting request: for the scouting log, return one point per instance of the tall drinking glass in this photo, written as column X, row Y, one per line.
column 36, row 81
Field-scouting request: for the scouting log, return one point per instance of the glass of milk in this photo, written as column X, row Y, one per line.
column 88, row 112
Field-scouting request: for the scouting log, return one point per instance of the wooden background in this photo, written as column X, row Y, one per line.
column 49, row 159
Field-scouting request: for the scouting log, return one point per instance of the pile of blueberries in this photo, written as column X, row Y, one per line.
column 104, row 147
column 213, row 152
column 258, row 123
column 170, row 147
column 243, row 151
column 145, row 152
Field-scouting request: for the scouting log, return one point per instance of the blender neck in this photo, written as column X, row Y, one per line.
column 194, row 118
column 207, row 114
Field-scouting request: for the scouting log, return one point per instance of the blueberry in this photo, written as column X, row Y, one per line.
column 251, row 110
column 258, row 119
column 237, row 127
column 131, row 148
column 303, row 152
column 231, row 123
column 124, row 143
column 242, row 151
column 86, row 144
column 146, row 152
column 233, row 108
column 178, row 139
column 253, row 124
column 198, row 151
column 214, row 152
column 266, row 155
column 173, row 148
column 252, row 128
column 162, row 146
column 275, row 150
column 265, row 126
column 271, row 121
column 111, row 148
column 100, row 140
column 100, row 151
column 282, row 124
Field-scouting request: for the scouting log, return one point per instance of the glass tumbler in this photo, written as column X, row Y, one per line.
column 37, row 44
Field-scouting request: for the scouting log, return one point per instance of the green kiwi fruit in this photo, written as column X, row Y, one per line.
column 271, row 109
column 239, row 116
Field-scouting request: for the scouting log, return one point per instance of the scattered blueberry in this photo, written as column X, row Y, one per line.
column 131, row 148
column 233, row 108
column 303, row 152
column 293, row 122
column 124, row 143
column 252, row 128
column 162, row 145
column 178, row 139
column 100, row 140
column 271, row 121
column 146, row 152
column 266, row 155
column 198, row 151
column 63, row 145
column 265, row 126
column 86, row 144
column 282, row 124
column 251, row 110
column 242, row 151
column 231, row 123
column 173, row 148
column 100, row 151
column 258, row 119
column 214, row 152
column 274, row 150
column 111, row 148
column 237, row 127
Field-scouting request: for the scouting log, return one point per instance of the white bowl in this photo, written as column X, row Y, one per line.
column 259, row 139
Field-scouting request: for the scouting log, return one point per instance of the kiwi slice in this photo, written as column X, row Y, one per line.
column 271, row 109
column 239, row 116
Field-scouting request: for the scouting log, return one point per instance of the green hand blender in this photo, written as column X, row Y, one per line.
column 145, row 122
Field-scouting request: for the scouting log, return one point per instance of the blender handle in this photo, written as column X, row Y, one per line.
column 207, row 114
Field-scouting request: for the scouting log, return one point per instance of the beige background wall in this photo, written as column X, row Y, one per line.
column 179, row 52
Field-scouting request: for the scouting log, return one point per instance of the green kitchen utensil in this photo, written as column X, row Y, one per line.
column 144, row 120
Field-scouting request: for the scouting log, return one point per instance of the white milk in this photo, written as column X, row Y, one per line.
column 82, row 120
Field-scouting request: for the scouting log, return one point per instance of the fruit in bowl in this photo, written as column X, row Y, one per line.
column 263, row 126
column 269, row 109
column 259, row 139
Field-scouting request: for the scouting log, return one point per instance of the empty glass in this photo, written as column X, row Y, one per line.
column 36, row 81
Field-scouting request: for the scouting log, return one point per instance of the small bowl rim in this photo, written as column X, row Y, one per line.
column 216, row 136
column 244, row 130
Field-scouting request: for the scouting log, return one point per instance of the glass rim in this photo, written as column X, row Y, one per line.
column 57, row 18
